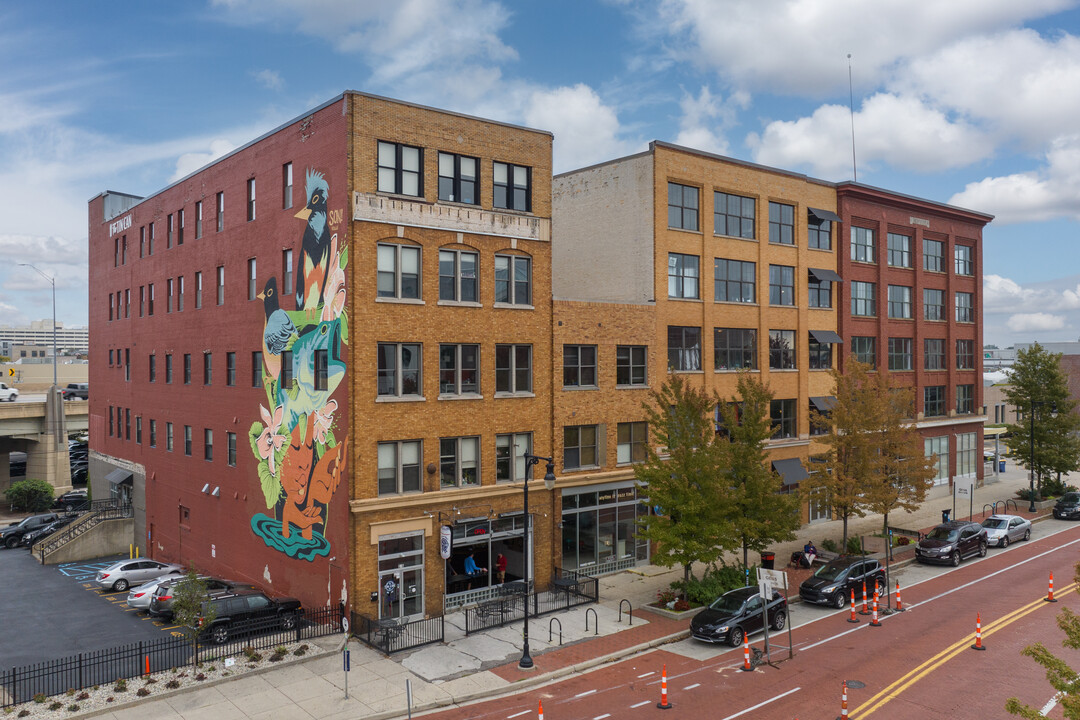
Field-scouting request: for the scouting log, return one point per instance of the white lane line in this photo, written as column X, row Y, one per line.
column 645, row 675
column 691, row 687
column 523, row 712
column 643, row 702
column 587, row 692
column 762, row 704
column 601, row 717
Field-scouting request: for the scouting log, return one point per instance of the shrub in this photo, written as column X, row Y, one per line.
column 828, row 545
column 55, row 705
column 250, row 652
column 200, row 676
column 30, row 495
column 714, row 582
column 73, row 707
column 903, row 540
column 854, row 546
column 120, row 686
column 300, row 650
column 70, row 692
column 172, row 684
column 150, row 681
column 665, row 596
column 24, row 713
column 83, row 696
column 143, row 691
column 278, row 656
column 39, row 698
column 281, row 650
column 1054, row 487
column 109, row 699
column 681, row 606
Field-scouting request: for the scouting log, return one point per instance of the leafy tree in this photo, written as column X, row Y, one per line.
column 30, row 495
column 759, row 512
column 1062, row 677
column 191, row 607
column 689, row 484
column 1036, row 377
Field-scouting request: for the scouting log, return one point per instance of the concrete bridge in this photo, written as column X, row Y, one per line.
column 41, row 430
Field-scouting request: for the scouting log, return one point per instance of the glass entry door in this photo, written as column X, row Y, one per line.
column 401, row 576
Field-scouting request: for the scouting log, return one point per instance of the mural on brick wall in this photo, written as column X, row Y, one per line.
column 301, row 461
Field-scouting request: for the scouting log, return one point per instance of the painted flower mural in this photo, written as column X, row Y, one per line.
column 301, row 462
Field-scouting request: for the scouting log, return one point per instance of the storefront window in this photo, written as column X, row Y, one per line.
column 599, row 530
column 484, row 541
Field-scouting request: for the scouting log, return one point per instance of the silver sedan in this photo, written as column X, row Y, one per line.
column 122, row 575
column 139, row 597
column 1004, row 529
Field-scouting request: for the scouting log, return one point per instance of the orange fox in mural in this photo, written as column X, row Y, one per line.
column 308, row 489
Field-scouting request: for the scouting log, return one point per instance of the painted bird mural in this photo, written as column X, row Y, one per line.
column 315, row 247
column 303, row 397
column 278, row 331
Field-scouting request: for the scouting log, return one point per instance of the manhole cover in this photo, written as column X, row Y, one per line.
column 855, row 684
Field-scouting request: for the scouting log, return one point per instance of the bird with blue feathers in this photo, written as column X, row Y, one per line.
column 278, row 331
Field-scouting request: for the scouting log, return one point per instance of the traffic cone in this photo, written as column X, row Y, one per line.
column 978, row 633
column 1050, row 596
column 864, row 610
column 853, row 619
column 663, row 704
column 540, row 712
column 746, row 654
column 899, row 604
column 874, row 622
column 843, row 703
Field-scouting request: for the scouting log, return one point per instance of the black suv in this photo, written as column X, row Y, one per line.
column 13, row 533
column 161, row 602
column 834, row 581
column 1068, row 506
column 951, row 542
column 735, row 614
column 76, row 391
column 245, row 612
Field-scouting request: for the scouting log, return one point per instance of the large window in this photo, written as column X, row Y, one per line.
column 398, row 271
column 683, row 275
column 781, row 223
column 510, row 451
column 783, row 416
column 400, row 169
column 965, row 354
column 933, row 401
column 933, row 255
column 900, row 302
column 579, row 447
column 900, row 353
column 684, row 348
column 862, row 245
column 733, row 215
column 965, row 399
column 819, row 291
column 459, row 369
column 965, row 262
column 782, row 349
column 458, row 178
column 781, row 285
column 399, row 370
column 734, row 281
column 934, row 354
column 965, row 307
column 513, row 368
column 399, row 467
column 863, row 298
column 818, row 232
column 820, row 354
column 630, row 365
column 513, row 280
column 457, row 275
column 864, row 349
column 899, row 250
column 938, row 448
column 579, row 366
column 512, row 186
column 933, row 304
column 735, row 348
column 459, row 462
column 631, row 442
column 966, row 454
column 682, row 206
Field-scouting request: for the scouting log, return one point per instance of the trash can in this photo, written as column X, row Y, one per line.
column 1001, row 466
column 767, row 560
column 945, row 515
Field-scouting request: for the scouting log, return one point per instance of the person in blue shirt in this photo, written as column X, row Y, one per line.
column 472, row 569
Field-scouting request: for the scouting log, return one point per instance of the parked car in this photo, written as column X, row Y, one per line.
column 76, row 391
column 139, row 596
column 1004, row 529
column 735, row 614
column 833, row 582
column 13, row 533
column 1068, row 506
column 121, row 575
column 78, row 475
column 951, row 542
column 161, row 604
column 235, row 610
column 72, row 500
column 8, row 393
column 33, row 536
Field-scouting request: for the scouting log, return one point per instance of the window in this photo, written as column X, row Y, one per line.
column 459, row 369
column 230, row 369
column 965, row 354
column 933, row 304
column 142, row 242
column 782, row 349
column 399, row 467
column 820, row 354
column 459, row 462
column 221, row 285
column 180, row 227
column 168, row 369
column 781, row 285
column 286, row 272
column 579, row 447
column 512, row 187
column 322, row 369
column 127, row 302
column 933, row 255
column 934, row 354
column 112, row 305
column 180, row 294
column 735, row 281
column 965, row 264
column 251, row 199
column 198, row 290
column 965, row 307
column 824, row 410
column 208, row 444
column 862, row 245
column 966, row 453
column 256, row 369
column 781, row 223
column 900, row 353
column 220, row 211
column 735, row 348
column 683, row 276
column 457, row 275
column 933, row 400
column 207, row 368
column 819, row 291
column 127, row 424
column 513, row 368
column 399, row 369
column 123, row 254
column 965, row 399
column 684, row 348
column 286, row 186
column 900, row 302
column 142, row 301
column 630, row 366
column 231, row 442
column 187, row 368
column 510, row 453
column 458, row 178
column 169, row 230
column 398, row 271
column 682, row 208
column 286, row 374
column 127, row 364
column 632, row 437
column 169, row 295
column 513, row 280
column 168, row 437
column 116, row 252
column 138, row 430
column 150, row 299
column 400, row 169
column 153, row 433
column 252, row 289
column 899, row 250
column 782, row 414
column 938, row 448
column 150, row 239
column 733, row 215
column 579, row 366
column 198, row 219
column 187, row 440
column 818, row 232
column 111, row 432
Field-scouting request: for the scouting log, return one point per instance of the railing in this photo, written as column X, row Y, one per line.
column 389, row 636
column 568, row 589
column 100, row 511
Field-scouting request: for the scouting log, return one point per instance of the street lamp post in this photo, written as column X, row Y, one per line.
column 526, row 661
column 52, row 282
column 1031, row 448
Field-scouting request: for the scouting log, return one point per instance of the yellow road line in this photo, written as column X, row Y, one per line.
column 913, row 676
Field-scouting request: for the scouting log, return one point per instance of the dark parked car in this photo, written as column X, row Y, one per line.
column 161, row 603
column 833, row 582
column 72, row 500
column 250, row 611
column 1068, row 506
column 76, row 391
column 33, row 536
column 951, row 542
column 735, row 614
column 13, row 533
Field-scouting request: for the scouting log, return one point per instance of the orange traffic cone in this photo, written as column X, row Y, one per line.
column 1050, row 596
column 746, row 654
column 540, row 712
column 978, row 633
column 853, row 619
column 864, row 610
column 874, row 622
column 843, row 703
column 899, row 604
column 663, row 704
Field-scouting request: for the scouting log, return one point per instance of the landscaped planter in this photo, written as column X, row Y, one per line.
column 684, row 615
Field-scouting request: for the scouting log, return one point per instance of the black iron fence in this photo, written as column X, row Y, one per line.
column 393, row 635
column 568, row 589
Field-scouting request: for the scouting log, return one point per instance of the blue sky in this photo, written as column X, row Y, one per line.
column 972, row 102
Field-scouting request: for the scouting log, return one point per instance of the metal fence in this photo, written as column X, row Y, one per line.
column 568, row 589
column 391, row 636
column 100, row 510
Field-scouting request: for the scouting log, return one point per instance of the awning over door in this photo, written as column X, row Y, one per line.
column 119, row 476
column 826, row 336
column 791, row 469
column 824, row 214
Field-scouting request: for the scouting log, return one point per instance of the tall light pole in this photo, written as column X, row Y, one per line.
column 1031, row 447
column 526, row 661
column 52, row 282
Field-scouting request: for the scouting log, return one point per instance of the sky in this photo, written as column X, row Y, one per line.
column 968, row 102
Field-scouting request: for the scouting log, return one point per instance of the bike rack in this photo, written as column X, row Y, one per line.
column 1016, row 508
column 629, row 610
column 596, row 621
column 556, row 620
column 993, row 508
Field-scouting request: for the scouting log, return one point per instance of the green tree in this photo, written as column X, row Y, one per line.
column 191, row 607
column 1062, row 677
column 1037, row 382
column 30, row 495
column 759, row 512
column 689, row 483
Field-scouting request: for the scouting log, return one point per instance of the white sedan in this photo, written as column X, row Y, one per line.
column 119, row 576
column 138, row 598
column 1004, row 529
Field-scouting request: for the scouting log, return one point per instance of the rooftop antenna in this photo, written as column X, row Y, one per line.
column 851, row 110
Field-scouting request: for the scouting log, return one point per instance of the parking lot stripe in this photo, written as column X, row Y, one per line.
column 637, row 705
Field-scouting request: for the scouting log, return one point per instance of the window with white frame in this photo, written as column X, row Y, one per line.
column 287, row 272
column 459, row 369
column 253, row 289
column 510, row 451
column 632, row 437
column 965, row 354
column 458, row 178
column 966, row 454
column 457, row 275
column 933, row 255
column 513, row 279
column 899, row 250
column 220, row 285
column 398, row 273
column 683, row 276
column 965, row 399
column 251, row 199
column 938, row 448
column 862, row 245
column 934, row 354
column 286, row 186
column 459, row 462
column 579, row 447
column 965, row 307
column 400, row 170
column 965, row 261
column 399, row 467
column 198, row 219
column 579, row 366
column 900, row 302
column 220, row 216
column 863, row 298
column 399, row 370
column 513, row 368
column 933, row 304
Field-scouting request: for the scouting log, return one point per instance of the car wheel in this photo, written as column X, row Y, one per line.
column 982, row 549
column 11, row 541
column 779, row 620
column 121, row 585
column 288, row 622
column 220, row 633
column 840, row 600
column 954, row 559
column 1005, row 542
column 735, row 637
column 1027, row 534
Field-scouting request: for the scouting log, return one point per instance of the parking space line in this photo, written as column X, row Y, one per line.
column 637, row 705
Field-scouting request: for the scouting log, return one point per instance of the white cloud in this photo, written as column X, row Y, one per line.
column 192, row 161
column 705, row 118
column 1035, row 322
column 1003, row 295
column 269, row 79
column 586, row 130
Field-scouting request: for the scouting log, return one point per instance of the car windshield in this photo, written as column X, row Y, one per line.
column 995, row 523
column 729, row 604
column 1070, row 497
column 830, row 571
column 940, row 533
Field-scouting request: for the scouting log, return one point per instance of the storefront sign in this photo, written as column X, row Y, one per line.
column 445, row 541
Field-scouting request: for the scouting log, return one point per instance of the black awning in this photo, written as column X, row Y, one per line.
column 791, row 469
column 824, row 214
column 826, row 336
column 822, row 274
column 119, row 476
column 823, row 403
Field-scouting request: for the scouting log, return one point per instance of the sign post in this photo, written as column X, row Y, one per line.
column 345, row 659
column 774, row 579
